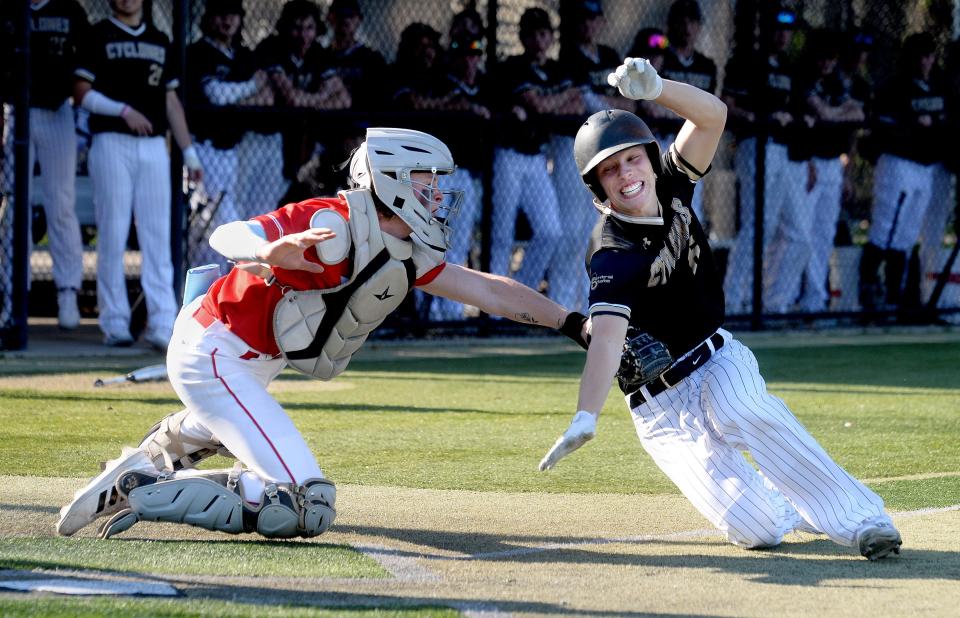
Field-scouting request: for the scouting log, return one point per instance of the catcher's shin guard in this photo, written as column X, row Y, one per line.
column 171, row 450
column 212, row 500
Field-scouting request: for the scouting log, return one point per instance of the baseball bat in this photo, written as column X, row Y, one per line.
column 150, row 373
column 943, row 278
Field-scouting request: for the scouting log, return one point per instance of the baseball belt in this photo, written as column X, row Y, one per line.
column 681, row 369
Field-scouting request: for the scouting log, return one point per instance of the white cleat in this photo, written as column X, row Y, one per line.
column 877, row 539
column 100, row 497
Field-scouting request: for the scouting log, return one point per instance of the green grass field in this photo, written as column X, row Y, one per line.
column 435, row 460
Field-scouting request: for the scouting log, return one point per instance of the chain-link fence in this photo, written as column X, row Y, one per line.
column 840, row 107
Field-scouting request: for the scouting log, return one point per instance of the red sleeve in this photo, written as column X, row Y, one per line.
column 296, row 217
column 430, row 275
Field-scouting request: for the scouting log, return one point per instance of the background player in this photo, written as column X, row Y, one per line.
column 352, row 258
column 909, row 128
column 126, row 82
column 654, row 270
column 57, row 26
column 220, row 73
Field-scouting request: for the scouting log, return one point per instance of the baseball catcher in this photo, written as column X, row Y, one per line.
column 312, row 281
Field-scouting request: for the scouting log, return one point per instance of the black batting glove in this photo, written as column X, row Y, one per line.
column 573, row 328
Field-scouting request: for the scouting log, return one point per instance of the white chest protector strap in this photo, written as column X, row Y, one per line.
column 319, row 331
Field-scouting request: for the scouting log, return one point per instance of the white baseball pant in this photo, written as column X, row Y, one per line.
column 942, row 202
column 569, row 283
column 697, row 431
column 823, row 208
column 784, row 182
column 220, row 185
column 462, row 234
column 223, row 384
column 522, row 180
column 130, row 176
column 53, row 143
column 260, row 181
column 901, row 194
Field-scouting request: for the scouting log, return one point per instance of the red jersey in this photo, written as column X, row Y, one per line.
column 245, row 303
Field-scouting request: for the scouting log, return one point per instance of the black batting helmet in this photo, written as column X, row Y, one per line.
column 606, row 133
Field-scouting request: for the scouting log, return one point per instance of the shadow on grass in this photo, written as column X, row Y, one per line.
column 805, row 563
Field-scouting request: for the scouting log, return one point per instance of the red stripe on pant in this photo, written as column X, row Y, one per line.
column 213, row 357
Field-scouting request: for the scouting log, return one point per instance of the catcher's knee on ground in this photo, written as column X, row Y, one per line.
column 212, row 500
column 172, row 448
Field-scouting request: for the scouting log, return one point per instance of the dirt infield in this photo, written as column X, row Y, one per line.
column 495, row 554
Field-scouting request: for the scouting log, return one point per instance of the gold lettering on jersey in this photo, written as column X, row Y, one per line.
column 51, row 24
column 677, row 240
column 693, row 255
column 136, row 50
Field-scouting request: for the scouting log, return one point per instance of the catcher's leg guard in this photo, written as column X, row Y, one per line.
column 212, row 500
column 172, row 450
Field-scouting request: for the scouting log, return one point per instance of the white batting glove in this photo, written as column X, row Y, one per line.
column 636, row 79
column 581, row 430
column 191, row 160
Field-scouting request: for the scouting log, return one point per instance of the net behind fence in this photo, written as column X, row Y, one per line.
column 843, row 105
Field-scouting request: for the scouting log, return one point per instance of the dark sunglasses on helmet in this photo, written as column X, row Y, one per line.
column 786, row 17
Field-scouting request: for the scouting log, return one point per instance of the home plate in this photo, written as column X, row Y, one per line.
column 64, row 585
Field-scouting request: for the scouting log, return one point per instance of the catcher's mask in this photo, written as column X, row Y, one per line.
column 606, row 133
column 383, row 164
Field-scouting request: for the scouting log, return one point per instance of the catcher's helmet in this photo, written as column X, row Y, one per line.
column 383, row 164
column 606, row 133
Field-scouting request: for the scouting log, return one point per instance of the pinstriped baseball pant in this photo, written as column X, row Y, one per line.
column 697, row 431
column 131, row 178
column 53, row 143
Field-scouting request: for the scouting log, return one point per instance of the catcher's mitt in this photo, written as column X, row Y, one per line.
column 644, row 358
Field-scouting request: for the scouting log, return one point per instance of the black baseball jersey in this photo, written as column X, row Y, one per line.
column 306, row 73
column 56, row 27
column 672, row 292
column 589, row 71
column 744, row 83
column 827, row 139
column 515, row 76
column 466, row 139
column 362, row 70
column 207, row 65
column 900, row 107
column 130, row 65
column 697, row 70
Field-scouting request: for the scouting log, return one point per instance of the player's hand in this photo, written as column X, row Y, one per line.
column 191, row 161
column 636, row 79
column 137, row 122
column 581, row 430
column 287, row 251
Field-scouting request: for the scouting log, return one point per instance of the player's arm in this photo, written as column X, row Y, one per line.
column 246, row 242
column 603, row 359
column 181, row 135
column 705, row 114
column 496, row 295
column 95, row 102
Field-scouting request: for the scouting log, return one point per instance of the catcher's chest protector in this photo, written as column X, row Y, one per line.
column 319, row 331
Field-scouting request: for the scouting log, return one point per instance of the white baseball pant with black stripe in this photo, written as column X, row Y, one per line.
column 901, row 194
column 223, row 384
column 569, row 283
column 696, row 432
column 53, row 143
column 130, row 177
column 522, row 180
